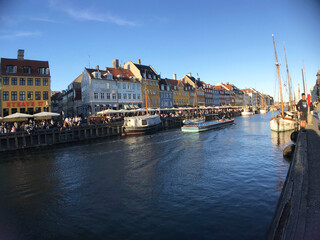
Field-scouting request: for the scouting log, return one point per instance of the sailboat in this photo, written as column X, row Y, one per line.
column 142, row 124
column 281, row 123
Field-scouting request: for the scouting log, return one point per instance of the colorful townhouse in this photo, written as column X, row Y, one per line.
column 24, row 86
column 149, row 80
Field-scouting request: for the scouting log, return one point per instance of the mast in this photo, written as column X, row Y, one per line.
column 304, row 87
column 196, row 92
column 145, row 90
column 305, row 77
column 289, row 84
column 278, row 69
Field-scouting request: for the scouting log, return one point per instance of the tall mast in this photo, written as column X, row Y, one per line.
column 145, row 90
column 305, row 77
column 289, row 84
column 304, row 87
column 278, row 69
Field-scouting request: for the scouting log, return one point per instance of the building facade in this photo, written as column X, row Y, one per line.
column 166, row 95
column 179, row 92
column 24, row 86
column 208, row 94
column 149, row 80
column 99, row 91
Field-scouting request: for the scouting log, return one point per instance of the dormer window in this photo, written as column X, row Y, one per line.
column 109, row 76
column 143, row 75
column 168, row 88
column 26, row 70
column 162, row 87
column 149, row 76
column 11, row 69
column 154, row 77
column 43, row 71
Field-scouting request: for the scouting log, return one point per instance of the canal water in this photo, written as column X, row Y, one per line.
column 221, row 184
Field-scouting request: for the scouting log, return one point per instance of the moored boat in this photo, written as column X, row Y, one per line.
column 194, row 121
column 282, row 124
column 141, row 124
column 247, row 112
column 263, row 111
column 201, row 127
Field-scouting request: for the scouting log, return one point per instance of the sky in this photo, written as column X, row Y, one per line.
column 216, row 40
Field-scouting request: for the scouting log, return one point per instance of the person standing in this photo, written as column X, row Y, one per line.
column 302, row 107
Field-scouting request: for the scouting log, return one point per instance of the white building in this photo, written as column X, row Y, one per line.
column 99, row 91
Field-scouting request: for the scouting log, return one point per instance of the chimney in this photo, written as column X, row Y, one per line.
column 175, row 76
column 97, row 67
column 139, row 61
column 20, row 54
column 115, row 63
column 189, row 74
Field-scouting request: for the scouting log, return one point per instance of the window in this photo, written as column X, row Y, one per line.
column 26, row 70
column 138, row 96
column 108, row 95
column 149, row 76
column 43, row 71
column 114, row 96
column 134, row 96
column 119, row 95
column 5, row 112
column 45, row 95
column 13, row 110
column 107, row 85
column 14, row 96
column 129, row 96
column 14, row 81
column 5, row 81
column 22, row 110
column 133, row 86
column 5, row 96
column 38, row 109
column 46, row 109
column 124, row 96
column 38, row 95
column 102, row 95
column 22, row 81
column 30, row 111
column 96, row 95
column 38, row 82
column 30, row 95
column 124, row 86
column 45, row 82
column 11, row 69
column 30, row 81
column 22, row 96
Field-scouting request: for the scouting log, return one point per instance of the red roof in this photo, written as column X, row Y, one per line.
column 125, row 74
column 35, row 65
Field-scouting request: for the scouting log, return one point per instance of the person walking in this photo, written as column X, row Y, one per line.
column 302, row 107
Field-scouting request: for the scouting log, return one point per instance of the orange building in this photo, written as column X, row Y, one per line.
column 24, row 86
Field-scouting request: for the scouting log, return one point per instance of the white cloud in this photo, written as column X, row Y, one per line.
column 40, row 19
column 89, row 14
column 19, row 34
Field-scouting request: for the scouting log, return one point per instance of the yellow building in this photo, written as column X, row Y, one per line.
column 24, row 86
column 180, row 93
column 143, row 72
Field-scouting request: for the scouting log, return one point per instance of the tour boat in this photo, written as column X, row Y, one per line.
column 193, row 121
column 141, row 124
column 201, row 127
column 281, row 123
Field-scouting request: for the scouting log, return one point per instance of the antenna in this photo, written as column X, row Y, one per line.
column 89, row 61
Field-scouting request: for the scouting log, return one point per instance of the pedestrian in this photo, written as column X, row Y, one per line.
column 302, row 107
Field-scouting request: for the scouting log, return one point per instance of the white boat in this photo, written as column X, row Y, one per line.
column 282, row 124
column 247, row 112
column 141, row 124
column 263, row 111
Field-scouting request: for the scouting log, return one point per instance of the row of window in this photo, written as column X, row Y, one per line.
column 113, row 96
column 23, row 97
column 151, row 92
column 180, row 94
column 180, row 101
column 165, row 95
column 150, row 102
column 22, row 81
column 31, row 111
column 150, row 83
column 26, row 70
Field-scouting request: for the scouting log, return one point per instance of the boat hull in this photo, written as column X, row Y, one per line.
column 206, row 126
column 141, row 130
column 282, row 124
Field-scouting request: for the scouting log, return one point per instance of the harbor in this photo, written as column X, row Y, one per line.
column 164, row 185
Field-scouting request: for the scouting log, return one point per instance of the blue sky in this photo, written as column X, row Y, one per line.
column 222, row 41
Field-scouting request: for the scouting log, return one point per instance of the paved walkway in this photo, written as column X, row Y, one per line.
column 298, row 212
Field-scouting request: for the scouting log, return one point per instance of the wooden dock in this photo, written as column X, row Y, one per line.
column 298, row 211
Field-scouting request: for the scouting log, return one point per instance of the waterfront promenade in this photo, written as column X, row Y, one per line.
column 298, row 212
